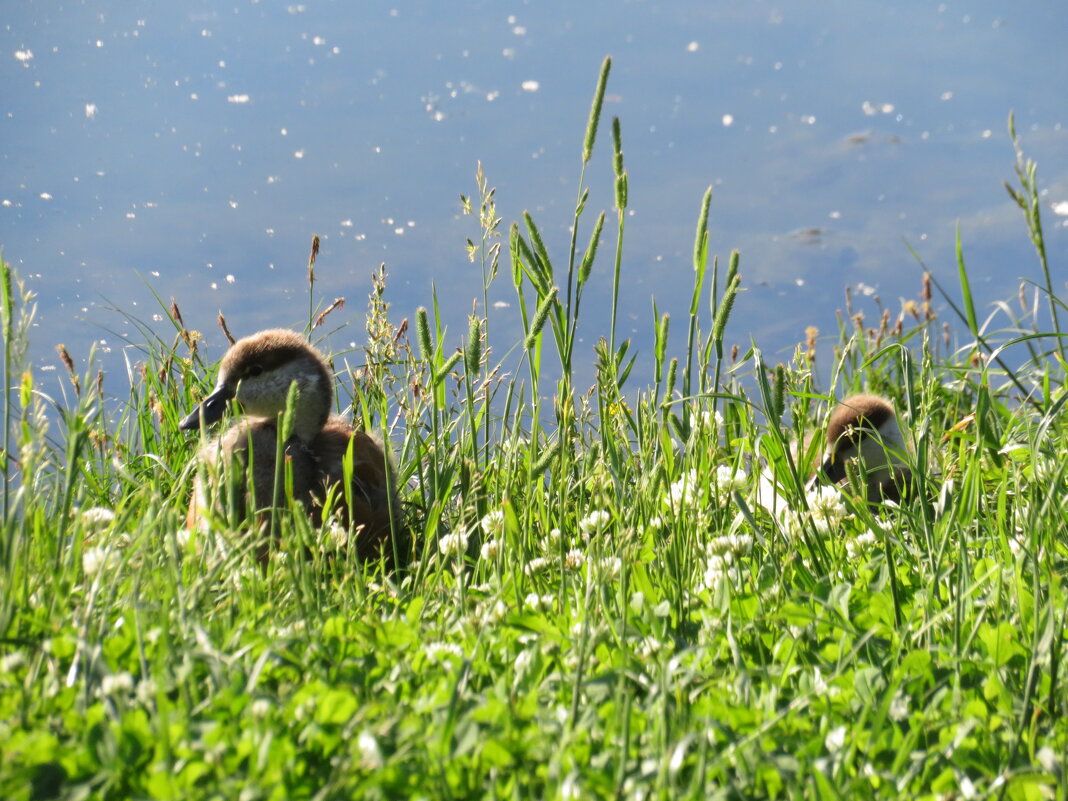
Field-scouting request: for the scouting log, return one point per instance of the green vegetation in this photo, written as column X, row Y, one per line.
column 597, row 607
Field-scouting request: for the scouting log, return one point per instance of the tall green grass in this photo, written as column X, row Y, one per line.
column 596, row 604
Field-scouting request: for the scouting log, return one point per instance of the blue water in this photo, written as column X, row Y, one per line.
column 192, row 149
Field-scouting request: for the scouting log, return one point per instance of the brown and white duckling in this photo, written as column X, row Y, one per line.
column 257, row 372
column 864, row 428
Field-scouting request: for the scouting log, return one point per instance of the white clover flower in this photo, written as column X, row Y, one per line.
column 443, row 653
column 117, row 683
column 859, row 545
column 260, row 708
column 98, row 558
column 490, row 549
column 146, row 691
column 594, row 522
column 370, row 753
column 727, row 480
column 649, row 646
column 554, row 537
column 899, row 707
column 835, row 739
column 523, row 661
column 493, row 523
column 97, row 517
column 454, row 544
column 717, row 569
column 826, row 508
column 536, row 565
column 609, row 568
column 967, row 788
column 574, row 559
column 539, row 603
column 711, row 420
column 733, row 544
column 9, row 663
column 682, row 493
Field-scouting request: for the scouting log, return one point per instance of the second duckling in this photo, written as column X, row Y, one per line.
column 864, row 428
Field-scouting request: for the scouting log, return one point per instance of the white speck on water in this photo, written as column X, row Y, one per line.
column 90, row 110
column 284, row 132
column 6, row 202
column 520, row 30
column 298, row 154
column 130, row 215
column 491, row 96
column 777, row 66
column 693, row 47
column 213, row 285
column 230, row 278
column 269, row 231
column 399, row 230
column 799, row 281
column 808, row 119
column 272, row 179
column 194, row 96
column 232, row 203
column 23, row 55
column 728, row 120
column 1061, row 208
column 154, row 273
column 530, row 86
column 835, row 215
column 871, row 109
column 986, row 134
column 237, row 99
column 501, row 304
column 508, row 52
column 45, row 196
column 946, row 96
column 157, row 318
column 346, row 223
column 318, row 41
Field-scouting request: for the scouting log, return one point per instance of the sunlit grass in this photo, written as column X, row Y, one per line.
column 598, row 602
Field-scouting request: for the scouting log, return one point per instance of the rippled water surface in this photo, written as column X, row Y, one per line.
column 192, row 149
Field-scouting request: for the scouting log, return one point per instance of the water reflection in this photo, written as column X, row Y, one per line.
column 192, row 149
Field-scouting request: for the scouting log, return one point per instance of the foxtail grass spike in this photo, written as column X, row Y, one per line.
column 732, row 266
column 540, row 316
column 595, row 110
column 473, row 351
column 700, row 242
column 724, row 311
column 621, row 191
column 514, row 249
column 617, row 147
column 422, row 334
column 446, row 368
column 539, row 247
column 591, row 251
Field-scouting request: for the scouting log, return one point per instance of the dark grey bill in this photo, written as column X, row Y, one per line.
column 212, row 408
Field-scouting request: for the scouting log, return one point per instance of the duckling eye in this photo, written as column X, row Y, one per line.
column 253, row 370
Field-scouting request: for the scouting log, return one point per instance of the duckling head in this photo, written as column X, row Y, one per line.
column 865, row 428
column 258, row 371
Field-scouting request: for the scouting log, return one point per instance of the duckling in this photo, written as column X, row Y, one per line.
column 257, row 372
column 865, row 428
